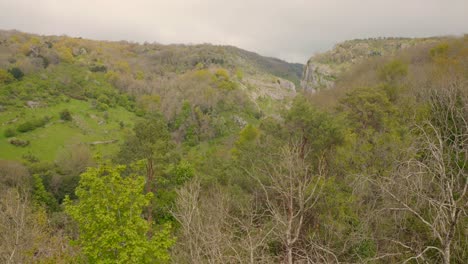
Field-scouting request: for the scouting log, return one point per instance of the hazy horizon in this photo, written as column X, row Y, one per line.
column 292, row 30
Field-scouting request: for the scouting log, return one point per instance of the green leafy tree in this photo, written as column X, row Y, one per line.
column 41, row 196
column 368, row 108
column 151, row 143
column 246, row 140
column 318, row 130
column 109, row 216
column 392, row 74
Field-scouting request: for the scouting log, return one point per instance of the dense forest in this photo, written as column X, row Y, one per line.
column 119, row 152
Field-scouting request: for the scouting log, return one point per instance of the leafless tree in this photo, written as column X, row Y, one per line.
column 217, row 229
column 204, row 236
column 253, row 231
column 25, row 236
column 433, row 186
column 292, row 188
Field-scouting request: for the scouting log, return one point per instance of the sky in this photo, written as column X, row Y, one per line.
column 292, row 30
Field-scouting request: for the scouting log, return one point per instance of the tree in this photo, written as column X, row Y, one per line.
column 368, row 108
column 25, row 233
column 292, row 189
column 218, row 228
column 151, row 143
column 317, row 131
column 108, row 213
column 432, row 187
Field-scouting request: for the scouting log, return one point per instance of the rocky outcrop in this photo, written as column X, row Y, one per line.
column 322, row 70
column 316, row 76
column 269, row 86
column 33, row 104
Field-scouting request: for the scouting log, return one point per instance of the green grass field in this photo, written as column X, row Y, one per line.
column 47, row 142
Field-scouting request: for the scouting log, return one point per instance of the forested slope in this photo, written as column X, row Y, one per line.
column 205, row 154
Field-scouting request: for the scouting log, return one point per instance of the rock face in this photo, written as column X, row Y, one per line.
column 269, row 86
column 316, row 76
column 322, row 70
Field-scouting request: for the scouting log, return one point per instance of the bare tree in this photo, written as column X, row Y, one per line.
column 24, row 233
column 292, row 188
column 218, row 229
column 13, row 226
column 204, row 236
column 252, row 232
column 433, row 186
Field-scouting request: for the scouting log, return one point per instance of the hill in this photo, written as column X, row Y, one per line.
column 202, row 87
column 322, row 70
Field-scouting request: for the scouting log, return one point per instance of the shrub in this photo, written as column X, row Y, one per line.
column 18, row 142
column 103, row 99
column 65, row 115
column 25, row 127
column 9, row 132
column 98, row 68
column 16, row 72
column 102, row 106
column 239, row 74
column 32, row 124
column 13, row 174
column 6, row 77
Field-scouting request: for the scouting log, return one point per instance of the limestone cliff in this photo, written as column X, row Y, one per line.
column 323, row 69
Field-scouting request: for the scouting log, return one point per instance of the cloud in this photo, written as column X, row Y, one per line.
column 288, row 29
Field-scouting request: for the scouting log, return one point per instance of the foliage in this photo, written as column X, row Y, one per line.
column 65, row 115
column 6, row 77
column 319, row 130
column 115, row 232
column 16, row 72
column 40, row 195
column 32, row 124
column 9, row 132
column 393, row 71
column 18, row 142
column 368, row 108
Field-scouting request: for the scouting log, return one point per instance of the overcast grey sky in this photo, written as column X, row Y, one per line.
column 289, row 29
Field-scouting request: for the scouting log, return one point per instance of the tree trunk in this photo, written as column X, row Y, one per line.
column 149, row 181
column 303, row 145
column 289, row 232
column 447, row 254
column 290, row 255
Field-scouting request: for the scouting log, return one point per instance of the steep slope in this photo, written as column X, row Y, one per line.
column 322, row 70
column 204, row 91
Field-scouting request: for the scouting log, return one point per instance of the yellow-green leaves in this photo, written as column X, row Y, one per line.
column 109, row 216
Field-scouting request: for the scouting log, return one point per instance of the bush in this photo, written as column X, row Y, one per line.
column 16, row 72
column 102, row 107
column 32, row 124
column 9, row 132
column 65, row 115
column 25, row 127
column 6, row 77
column 98, row 68
column 18, row 142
